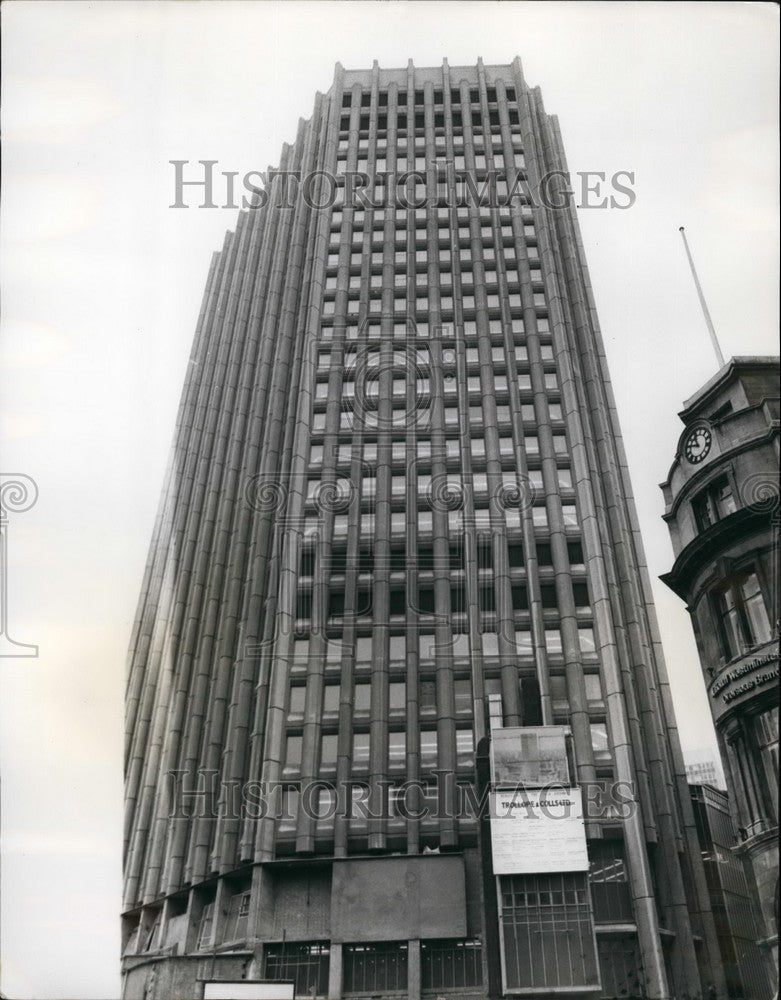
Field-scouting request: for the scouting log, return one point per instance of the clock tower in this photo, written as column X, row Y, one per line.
column 723, row 511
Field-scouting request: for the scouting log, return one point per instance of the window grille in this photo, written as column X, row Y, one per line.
column 548, row 931
column 451, row 964
column 373, row 968
column 205, row 926
column 609, row 886
column 619, row 963
column 305, row 963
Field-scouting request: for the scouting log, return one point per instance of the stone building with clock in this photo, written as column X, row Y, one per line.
column 722, row 509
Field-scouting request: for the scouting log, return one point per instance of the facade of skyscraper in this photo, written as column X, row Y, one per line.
column 397, row 531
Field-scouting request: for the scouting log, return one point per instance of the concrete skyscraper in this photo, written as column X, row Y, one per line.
column 398, row 530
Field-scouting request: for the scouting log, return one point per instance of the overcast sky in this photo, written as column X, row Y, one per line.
column 102, row 284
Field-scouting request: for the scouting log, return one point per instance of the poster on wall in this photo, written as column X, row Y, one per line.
column 248, row 991
column 534, row 756
column 538, row 831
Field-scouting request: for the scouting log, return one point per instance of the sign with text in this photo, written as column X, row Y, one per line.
column 742, row 681
column 538, row 830
column 245, row 990
column 534, row 756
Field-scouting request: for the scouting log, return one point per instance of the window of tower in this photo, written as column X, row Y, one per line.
column 328, row 749
column 766, row 735
column 600, row 743
column 427, row 703
column 295, row 711
column 360, row 763
column 205, row 924
column 451, row 964
column 463, row 694
column 465, row 749
column 361, row 700
column 609, row 885
column 741, row 614
column 293, row 750
column 714, row 503
column 305, row 963
column 397, row 749
column 570, row 515
column 375, row 968
column 593, row 686
column 546, row 925
column 429, row 755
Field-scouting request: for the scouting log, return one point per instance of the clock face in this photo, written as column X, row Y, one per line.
column 697, row 445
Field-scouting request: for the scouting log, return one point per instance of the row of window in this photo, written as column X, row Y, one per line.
column 367, row 453
column 402, row 419
column 360, row 696
column 396, row 749
column 361, row 410
column 402, row 331
column 396, row 561
column 364, row 413
column 443, row 213
column 421, row 304
column 424, row 520
column 438, row 97
column 418, row 138
column 417, row 142
column 418, row 160
column 375, row 968
column 357, row 283
column 417, row 120
column 475, row 384
column 443, row 239
column 371, row 360
column 413, row 189
column 422, row 602
column 458, row 646
column 419, row 413
column 452, row 485
column 422, row 256
column 736, row 604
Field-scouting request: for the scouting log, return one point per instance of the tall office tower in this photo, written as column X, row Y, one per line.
column 398, row 532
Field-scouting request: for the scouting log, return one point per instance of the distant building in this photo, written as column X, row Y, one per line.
column 722, row 509
column 733, row 901
column 703, row 772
